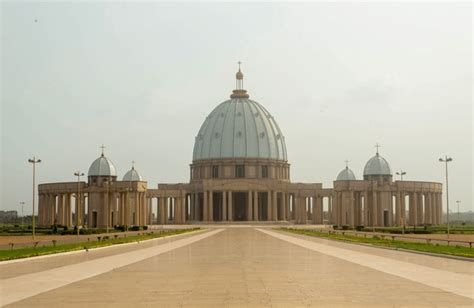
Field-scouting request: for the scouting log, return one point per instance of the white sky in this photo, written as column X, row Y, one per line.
column 141, row 78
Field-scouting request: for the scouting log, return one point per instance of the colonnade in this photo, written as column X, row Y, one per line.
column 97, row 209
column 223, row 206
column 387, row 208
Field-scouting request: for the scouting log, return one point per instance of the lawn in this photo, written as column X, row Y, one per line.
column 46, row 250
column 396, row 244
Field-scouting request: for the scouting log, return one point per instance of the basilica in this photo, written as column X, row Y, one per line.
column 239, row 173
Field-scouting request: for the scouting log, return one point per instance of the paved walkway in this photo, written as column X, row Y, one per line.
column 243, row 266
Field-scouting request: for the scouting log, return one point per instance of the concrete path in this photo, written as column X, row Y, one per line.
column 245, row 267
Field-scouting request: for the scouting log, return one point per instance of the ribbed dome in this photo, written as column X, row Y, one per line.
column 346, row 175
column 132, row 175
column 377, row 165
column 239, row 128
column 102, row 166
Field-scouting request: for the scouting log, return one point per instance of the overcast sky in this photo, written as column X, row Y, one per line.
column 141, row 78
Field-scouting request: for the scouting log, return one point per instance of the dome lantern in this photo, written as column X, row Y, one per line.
column 239, row 91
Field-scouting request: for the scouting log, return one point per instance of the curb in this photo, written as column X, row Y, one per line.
column 58, row 254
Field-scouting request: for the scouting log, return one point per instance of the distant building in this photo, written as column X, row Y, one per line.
column 240, row 172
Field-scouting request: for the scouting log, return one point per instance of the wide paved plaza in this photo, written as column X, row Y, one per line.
column 238, row 266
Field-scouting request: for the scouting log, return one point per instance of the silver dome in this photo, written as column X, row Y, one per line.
column 102, row 166
column 132, row 175
column 346, row 175
column 377, row 165
column 240, row 128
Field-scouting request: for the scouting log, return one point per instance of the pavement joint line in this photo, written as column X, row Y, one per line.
column 93, row 249
column 460, row 284
column 25, row 286
column 431, row 254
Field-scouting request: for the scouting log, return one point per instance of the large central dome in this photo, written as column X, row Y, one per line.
column 239, row 128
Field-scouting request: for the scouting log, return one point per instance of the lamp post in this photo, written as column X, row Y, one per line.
column 22, row 216
column 401, row 173
column 78, row 199
column 34, row 161
column 446, row 160
column 459, row 214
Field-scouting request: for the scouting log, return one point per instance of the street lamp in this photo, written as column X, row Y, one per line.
column 22, row 216
column 401, row 173
column 446, row 160
column 34, row 161
column 78, row 199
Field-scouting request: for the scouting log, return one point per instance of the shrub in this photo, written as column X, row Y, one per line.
column 145, row 227
column 134, row 228
column 345, row 227
column 334, row 227
column 359, row 228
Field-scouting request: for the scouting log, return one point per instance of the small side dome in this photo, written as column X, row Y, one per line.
column 102, row 166
column 132, row 175
column 377, row 165
column 346, row 175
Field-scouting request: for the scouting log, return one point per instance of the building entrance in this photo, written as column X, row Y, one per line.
column 240, row 206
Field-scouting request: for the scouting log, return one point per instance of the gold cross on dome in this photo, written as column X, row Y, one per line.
column 347, row 163
column 102, row 147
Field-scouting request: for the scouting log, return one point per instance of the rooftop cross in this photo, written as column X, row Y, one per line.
column 377, row 146
column 102, row 147
column 347, row 163
column 240, row 62
column 133, row 164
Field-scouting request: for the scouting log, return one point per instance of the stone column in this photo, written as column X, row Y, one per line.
column 128, row 209
column 330, row 210
column 224, row 205
column 184, row 209
column 414, row 205
column 403, row 219
column 211, row 206
column 205, row 207
column 249, row 206
column 419, row 209
column 192, row 213
column 166, row 211
column 230, row 207
column 318, row 211
column 177, row 211
column 269, row 205
column 428, row 208
column 375, row 210
column 67, row 204
column 61, row 214
column 351, row 208
column 275, row 206
column 284, row 204
column 398, row 209
column 255, row 206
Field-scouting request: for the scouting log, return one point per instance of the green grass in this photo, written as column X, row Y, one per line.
column 27, row 252
column 397, row 244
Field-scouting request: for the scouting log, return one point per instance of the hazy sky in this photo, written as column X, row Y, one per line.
column 141, row 78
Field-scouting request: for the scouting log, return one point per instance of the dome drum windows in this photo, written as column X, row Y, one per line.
column 240, row 171
column 215, row 172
